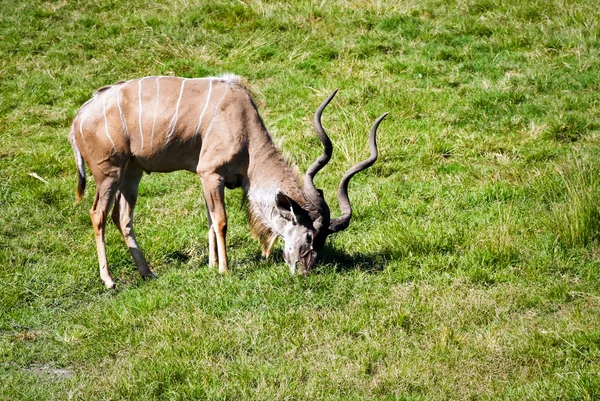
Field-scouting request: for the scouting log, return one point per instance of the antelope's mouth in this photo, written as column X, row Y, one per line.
column 307, row 260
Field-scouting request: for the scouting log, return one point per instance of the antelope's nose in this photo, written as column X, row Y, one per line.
column 293, row 266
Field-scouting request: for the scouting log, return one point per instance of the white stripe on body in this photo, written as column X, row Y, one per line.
column 216, row 111
column 81, row 123
column 155, row 111
column 140, row 111
column 173, row 123
column 121, row 115
column 204, row 110
column 83, row 111
column 105, row 120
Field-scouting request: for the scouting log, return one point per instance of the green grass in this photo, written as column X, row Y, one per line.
column 470, row 269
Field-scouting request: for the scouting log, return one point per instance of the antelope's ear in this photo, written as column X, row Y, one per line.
column 289, row 208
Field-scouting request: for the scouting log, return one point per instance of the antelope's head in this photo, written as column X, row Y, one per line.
column 305, row 229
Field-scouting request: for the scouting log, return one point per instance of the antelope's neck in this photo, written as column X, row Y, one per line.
column 267, row 173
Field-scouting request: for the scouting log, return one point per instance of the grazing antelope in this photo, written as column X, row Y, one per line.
column 209, row 126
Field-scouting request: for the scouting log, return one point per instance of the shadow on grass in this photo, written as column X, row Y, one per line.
column 329, row 259
column 177, row 256
column 343, row 262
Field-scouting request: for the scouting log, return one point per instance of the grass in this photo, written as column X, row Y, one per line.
column 469, row 271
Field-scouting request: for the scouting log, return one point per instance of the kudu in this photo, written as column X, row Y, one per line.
column 209, row 126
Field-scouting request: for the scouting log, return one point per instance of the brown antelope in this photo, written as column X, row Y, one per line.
column 209, row 126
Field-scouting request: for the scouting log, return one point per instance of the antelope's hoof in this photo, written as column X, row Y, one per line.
column 109, row 284
column 223, row 272
column 149, row 276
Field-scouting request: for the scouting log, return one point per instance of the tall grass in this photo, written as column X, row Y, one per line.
column 575, row 219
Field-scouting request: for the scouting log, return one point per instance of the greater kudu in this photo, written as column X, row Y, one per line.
column 209, row 126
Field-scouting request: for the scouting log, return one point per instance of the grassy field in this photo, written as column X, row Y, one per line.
column 470, row 269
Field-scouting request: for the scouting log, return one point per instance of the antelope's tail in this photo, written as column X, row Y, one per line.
column 80, row 166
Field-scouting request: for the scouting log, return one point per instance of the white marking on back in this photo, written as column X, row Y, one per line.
column 205, row 107
column 173, row 122
column 155, row 112
column 229, row 78
column 105, row 120
column 216, row 110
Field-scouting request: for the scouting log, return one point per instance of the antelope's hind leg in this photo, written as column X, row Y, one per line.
column 122, row 216
column 106, row 187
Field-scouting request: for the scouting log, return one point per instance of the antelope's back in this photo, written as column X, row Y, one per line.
column 162, row 121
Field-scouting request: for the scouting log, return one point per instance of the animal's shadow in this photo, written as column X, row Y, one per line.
column 343, row 262
column 178, row 256
column 329, row 259
column 340, row 261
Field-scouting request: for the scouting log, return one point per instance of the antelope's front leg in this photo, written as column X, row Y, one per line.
column 214, row 193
